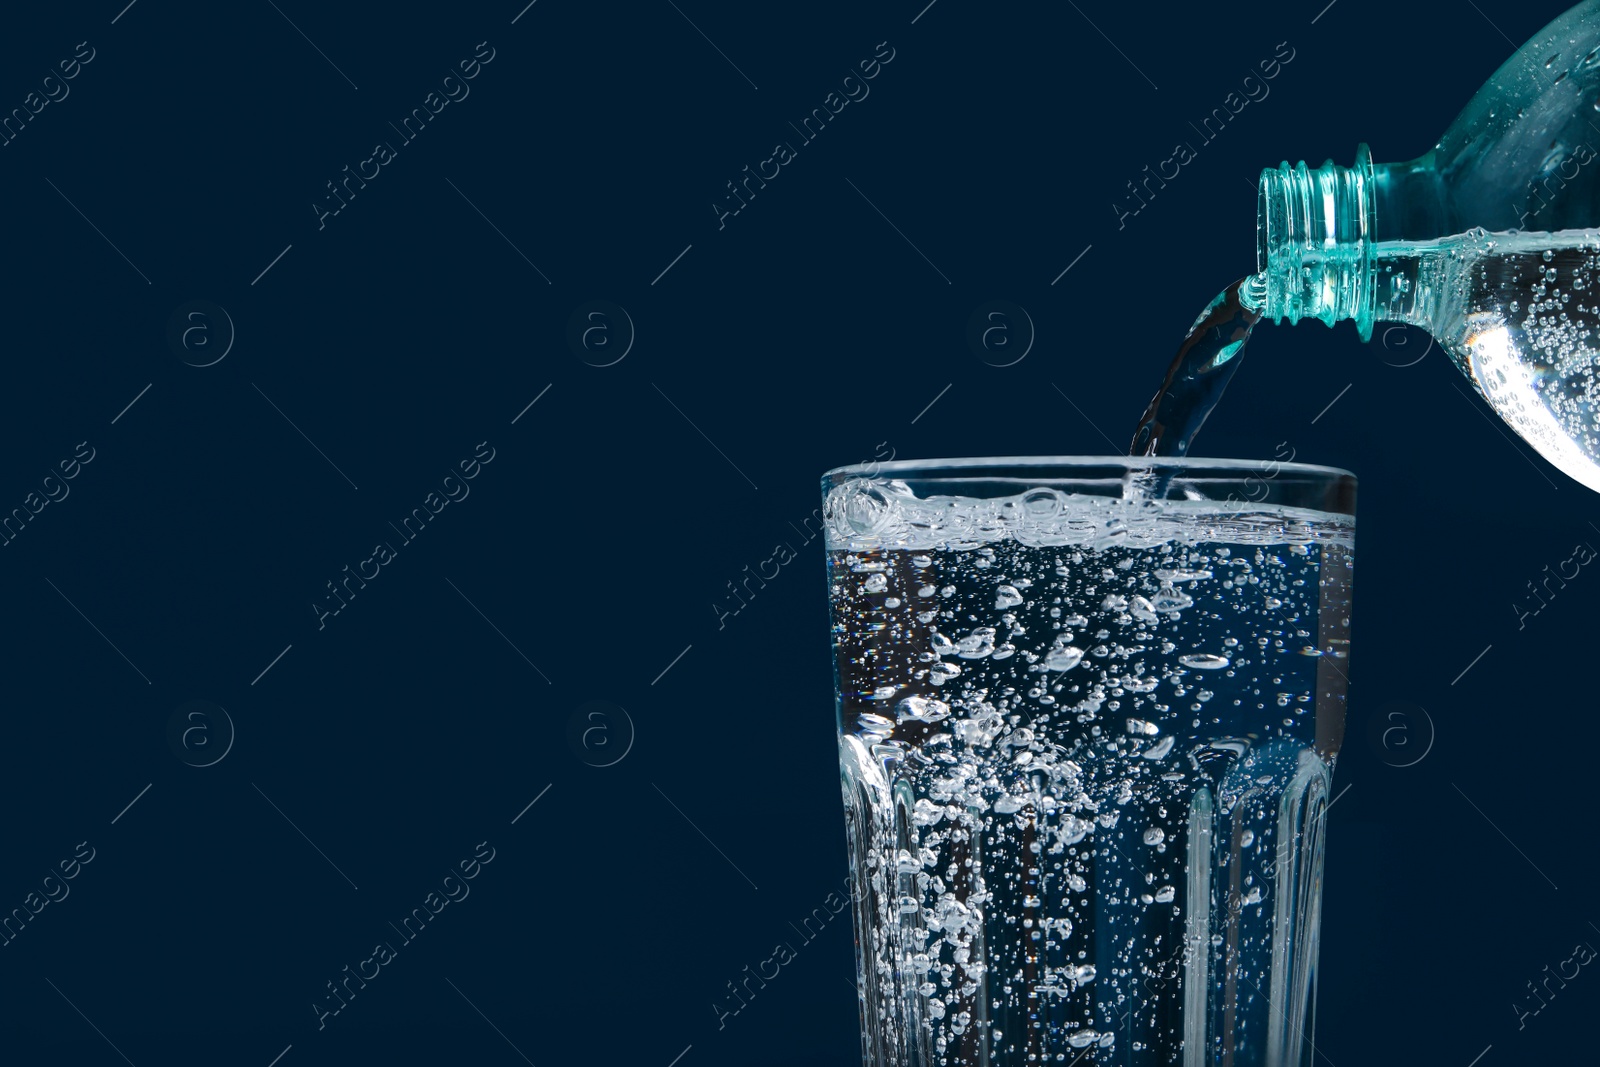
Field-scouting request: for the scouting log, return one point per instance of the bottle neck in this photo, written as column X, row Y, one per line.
column 1318, row 232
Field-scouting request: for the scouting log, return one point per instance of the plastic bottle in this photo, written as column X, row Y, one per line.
column 1490, row 241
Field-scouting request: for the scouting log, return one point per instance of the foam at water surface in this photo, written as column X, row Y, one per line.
column 885, row 513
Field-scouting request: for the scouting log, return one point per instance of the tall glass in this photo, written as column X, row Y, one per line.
column 1088, row 713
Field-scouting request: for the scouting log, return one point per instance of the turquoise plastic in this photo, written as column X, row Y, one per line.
column 1520, row 156
column 1490, row 242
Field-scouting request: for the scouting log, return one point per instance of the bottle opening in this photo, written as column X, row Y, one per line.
column 1314, row 241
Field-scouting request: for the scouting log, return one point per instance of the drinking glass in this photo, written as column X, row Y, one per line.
column 1088, row 712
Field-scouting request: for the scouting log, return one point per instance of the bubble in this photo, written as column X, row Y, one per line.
column 976, row 645
column 1171, row 600
column 1043, row 504
column 866, row 508
column 1160, row 749
column 1166, row 574
column 925, row 709
column 1202, row 661
column 1064, row 658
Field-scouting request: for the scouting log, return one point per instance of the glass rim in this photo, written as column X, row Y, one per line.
column 918, row 503
column 1068, row 464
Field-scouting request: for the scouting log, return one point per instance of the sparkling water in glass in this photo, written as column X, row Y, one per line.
column 1088, row 712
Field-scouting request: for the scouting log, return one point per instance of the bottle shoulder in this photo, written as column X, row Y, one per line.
column 1522, row 154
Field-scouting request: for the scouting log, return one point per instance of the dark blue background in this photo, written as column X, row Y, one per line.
column 798, row 337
